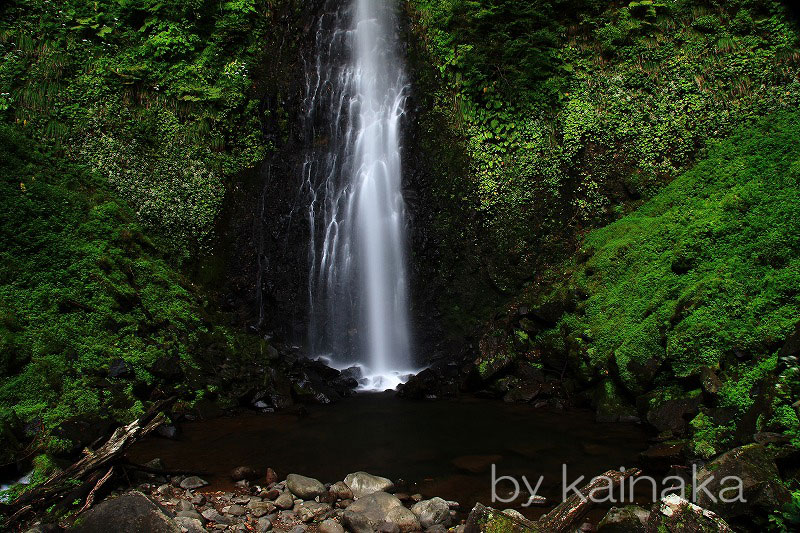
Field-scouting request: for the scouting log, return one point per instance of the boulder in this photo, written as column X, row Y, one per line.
column 432, row 512
column 341, row 491
column 628, row 519
column 304, row 487
column 191, row 525
column 761, row 488
column 388, row 527
column 243, row 472
column 330, row 526
column 234, row 510
column 483, row 519
column 309, row 511
column 212, row 515
column 672, row 415
column 356, row 522
column 259, row 509
column 362, row 483
column 676, row 515
column 404, row 519
column 133, row 511
column 285, row 500
column 375, row 506
column 193, row 482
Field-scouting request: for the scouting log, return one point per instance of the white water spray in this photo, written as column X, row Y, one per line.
column 357, row 283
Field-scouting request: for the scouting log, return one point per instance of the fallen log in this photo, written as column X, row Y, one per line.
column 85, row 470
column 564, row 516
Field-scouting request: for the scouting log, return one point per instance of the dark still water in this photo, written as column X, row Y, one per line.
column 442, row 448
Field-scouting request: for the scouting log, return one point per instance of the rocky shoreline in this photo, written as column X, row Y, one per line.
column 361, row 503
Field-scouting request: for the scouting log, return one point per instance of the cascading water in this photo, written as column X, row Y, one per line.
column 356, row 91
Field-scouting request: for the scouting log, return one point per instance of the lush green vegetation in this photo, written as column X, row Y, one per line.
column 160, row 96
column 81, row 289
column 572, row 112
column 700, row 281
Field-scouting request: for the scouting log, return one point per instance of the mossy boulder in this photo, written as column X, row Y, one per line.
column 761, row 486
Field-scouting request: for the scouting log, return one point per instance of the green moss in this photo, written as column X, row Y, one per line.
column 81, row 287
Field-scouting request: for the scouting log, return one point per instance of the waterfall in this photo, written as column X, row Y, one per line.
column 356, row 92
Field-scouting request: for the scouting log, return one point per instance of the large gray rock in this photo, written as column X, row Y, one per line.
column 304, row 487
column 284, row 501
column 676, row 515
column 308, row 511
column 259, row 509
column 753, row 465
column 212, row 515
column 193, row 482
column 405, row 520
column 330, row 526
column 356, row 522
column 131, row 512
column 362, row 483
column 432, row 512
column 375, row 506
column 192, row 525
column 628, row 519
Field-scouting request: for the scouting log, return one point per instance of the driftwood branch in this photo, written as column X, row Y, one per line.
column 563, row 518
column 566, row 514
column 86, row 469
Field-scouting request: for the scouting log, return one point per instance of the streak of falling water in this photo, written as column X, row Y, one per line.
column 356, row 92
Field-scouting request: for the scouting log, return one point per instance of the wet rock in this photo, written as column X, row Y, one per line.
column 759, row 477
column 676, row 515
column 673, row 414
column 190, row 514
column 309, row 511
column 330, row 526
column 193, row 482
column 483, row 518
column 439, row 381
column 375, row 506
column 234, row 510
column 285, row 500
column 198, row 500
column 514, row 514
column 191, row 525
column 243, row 472
column 271, row 494
column 341, row 491
column 432, row 512
column 212, row 515
column 305, row 487
column 356, row 522
column 388, row 527
column 362, row 483
column 403, row 519
column 133, row 511
column 298, row 529
column 629, row 519
column 271, row 477
column 263, row 525
column 259, row 509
